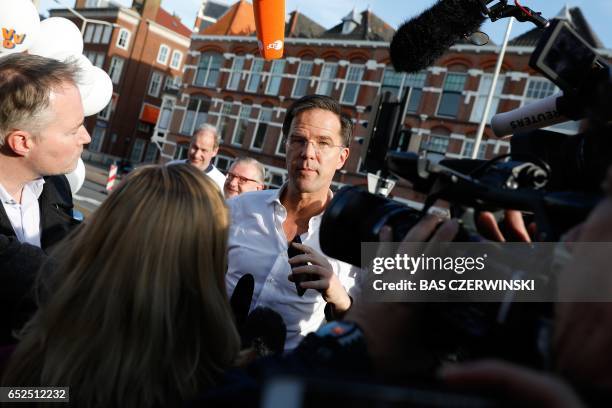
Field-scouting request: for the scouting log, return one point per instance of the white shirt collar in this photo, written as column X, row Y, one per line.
column 35, row 186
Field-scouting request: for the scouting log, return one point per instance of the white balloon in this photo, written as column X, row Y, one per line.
column 86, row 77
column 100, row 94
column 19, row 25
column 76, row 178
column 59, row 38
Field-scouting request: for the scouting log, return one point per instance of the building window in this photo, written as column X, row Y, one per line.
column 223, row 122
column 241, row 125
column 354, row 74
column 164, row 116
column 181, row 152
column 96, row 58
column 162, row 54
column 155, row 83
column 328, row 78
column 281, row 147
column 481, row 99
column 398, row 83
column 275, row 179
column 175, row 61
column 115, row 68
column 300, row 86
column 97, row 34
column 236, row 72
column 123, row 39
column 208, row 70
column 151, row 153
column 97, row 138
column 223, row 163
column 195, row 115
column 435, row 144
column 255, row 75
column 539, row 88
column 106, row 112
column 468, row 148
column 173, row 83
column 276, row 76
column 265, row 117
column 451, row 95
column 137, row 150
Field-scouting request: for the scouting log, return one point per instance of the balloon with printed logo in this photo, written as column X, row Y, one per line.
column 76, row 177
column 100, row 94
column 59, row 38
column 19, row 25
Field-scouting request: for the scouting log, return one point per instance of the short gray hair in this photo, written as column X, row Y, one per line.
column 26, row 82
column 261, row 170
column 207, row 127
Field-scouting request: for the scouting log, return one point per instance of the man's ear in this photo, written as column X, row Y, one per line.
column 344, row 154
column 19, row 141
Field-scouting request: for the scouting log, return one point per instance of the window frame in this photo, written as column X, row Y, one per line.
column 163, row 61
column 128, row 34
column 259, row 123
column 300, row 76
column 275, row 78
column 347, row 83
column 451, row 92
column 180, row 59
column 239, row 120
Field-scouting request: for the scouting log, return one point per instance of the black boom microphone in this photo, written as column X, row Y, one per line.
column 423, row 39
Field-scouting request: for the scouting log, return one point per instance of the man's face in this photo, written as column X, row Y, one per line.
column 202, row 149
column 311, row 170
column 60, row 142
column 241, row 177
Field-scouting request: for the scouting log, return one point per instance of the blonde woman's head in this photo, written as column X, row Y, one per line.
column 138, row 311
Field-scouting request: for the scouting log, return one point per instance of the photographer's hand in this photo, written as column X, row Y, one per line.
column 328, row 283
column 393, row 330
column 514, row 228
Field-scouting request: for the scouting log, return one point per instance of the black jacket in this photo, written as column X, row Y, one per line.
column 19, row 262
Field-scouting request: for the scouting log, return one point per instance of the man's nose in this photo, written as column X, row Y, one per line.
column 85, row 137
column 309, row 149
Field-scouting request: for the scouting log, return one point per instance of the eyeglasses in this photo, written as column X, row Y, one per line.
column 241, row 180
column 322, row 145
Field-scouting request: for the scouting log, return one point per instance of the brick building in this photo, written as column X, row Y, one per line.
column 227, row 84
column 143, row 49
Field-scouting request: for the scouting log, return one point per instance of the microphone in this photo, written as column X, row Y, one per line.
column 241, row 299
column 270, row 25
column 423, row 39
column 537, row 115
column 264, row 331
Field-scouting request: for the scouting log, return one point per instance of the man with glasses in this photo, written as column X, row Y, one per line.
column 245, row 174
column 266, row 223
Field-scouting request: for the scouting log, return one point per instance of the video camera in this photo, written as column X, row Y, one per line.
column 553, row 176
column 558, row 185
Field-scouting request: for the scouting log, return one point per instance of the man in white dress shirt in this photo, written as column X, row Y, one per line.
column 264, row 223
column 203, row 147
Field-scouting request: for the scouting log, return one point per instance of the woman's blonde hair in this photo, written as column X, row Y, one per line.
column 138, row 313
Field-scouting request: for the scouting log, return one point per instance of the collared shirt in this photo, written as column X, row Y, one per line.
column 211, row 171
column 258, row 245
column 24, row 216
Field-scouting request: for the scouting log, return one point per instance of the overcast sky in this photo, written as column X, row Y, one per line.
column 329, row 12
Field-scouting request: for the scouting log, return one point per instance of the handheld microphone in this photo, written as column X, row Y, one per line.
column 270, row 25
column 241, row 298
column 265, row 331
column 537, row 115
column 423, row 39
